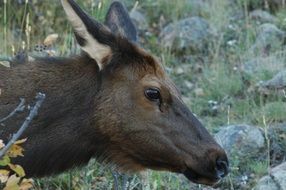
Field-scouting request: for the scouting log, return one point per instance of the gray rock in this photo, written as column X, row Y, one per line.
column 279, row 174
column 139, row 19
column 262, row 16
column 277, row 136
column 277, row 82
column 269, row 39
column 266, row 183
column 277, row 180
column 192, row 33
column 269, row 63
column 241, row 140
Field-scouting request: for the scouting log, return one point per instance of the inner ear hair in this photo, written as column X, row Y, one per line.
column 92, row 36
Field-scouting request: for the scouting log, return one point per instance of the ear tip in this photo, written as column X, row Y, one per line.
column 117, row 4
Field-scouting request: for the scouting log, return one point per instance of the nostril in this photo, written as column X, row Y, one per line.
column 221, row 168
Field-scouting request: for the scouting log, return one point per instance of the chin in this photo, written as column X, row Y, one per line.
column 194, row 177
column 208, row 182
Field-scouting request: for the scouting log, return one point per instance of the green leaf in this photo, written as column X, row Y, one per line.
column 17, row 169
column 5, row 161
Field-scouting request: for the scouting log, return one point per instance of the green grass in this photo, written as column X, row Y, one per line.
column 260, row 168
column 275, row 111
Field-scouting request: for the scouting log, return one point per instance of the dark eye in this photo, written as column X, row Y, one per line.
column 153, row 94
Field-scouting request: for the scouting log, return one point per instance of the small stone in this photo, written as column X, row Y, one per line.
column 179, row 70
column 199, row 92
column 186, row 99
column 188, row 84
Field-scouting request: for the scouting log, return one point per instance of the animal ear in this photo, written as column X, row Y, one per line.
column 119, row 22
column 93, row 37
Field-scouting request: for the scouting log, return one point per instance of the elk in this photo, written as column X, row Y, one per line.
column 114, row 102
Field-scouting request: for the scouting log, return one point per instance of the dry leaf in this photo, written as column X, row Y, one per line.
column 17, row 169
column 5, row 63
column 26, row 184
column 15, row 151
column 4, row 175
column 51, row 39
column 1, row 141
column 51, row 52
column 21, row 141
column 12, row 183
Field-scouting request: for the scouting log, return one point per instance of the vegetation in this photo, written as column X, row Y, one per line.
column 214, row 76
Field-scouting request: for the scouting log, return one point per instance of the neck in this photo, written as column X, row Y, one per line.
column 60, row 137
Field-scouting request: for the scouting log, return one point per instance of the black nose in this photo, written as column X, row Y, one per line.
column 222, row 168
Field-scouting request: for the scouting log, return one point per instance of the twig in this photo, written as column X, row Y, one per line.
column 40, row 98
column 116, row 180
column 125, row 181
column 19, row 108
column 116, row 175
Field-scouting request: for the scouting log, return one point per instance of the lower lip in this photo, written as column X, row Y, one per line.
column 205, row 181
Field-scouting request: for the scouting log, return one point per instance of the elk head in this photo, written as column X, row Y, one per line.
column 139, row 112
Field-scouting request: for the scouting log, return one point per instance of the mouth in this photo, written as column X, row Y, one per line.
column 195, row 177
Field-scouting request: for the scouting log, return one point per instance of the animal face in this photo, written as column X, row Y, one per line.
column 139, row 110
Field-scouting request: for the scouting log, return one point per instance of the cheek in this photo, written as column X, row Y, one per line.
column 143, row 103
column 164, row 107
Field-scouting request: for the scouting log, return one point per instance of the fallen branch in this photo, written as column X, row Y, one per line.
column 34, row 111
column 19, row 108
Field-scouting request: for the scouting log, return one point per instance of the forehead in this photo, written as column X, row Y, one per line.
column 139, row 67
column 151, row 66
column 157, row 77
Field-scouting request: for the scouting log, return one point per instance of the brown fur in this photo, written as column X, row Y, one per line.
column 105, row 114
